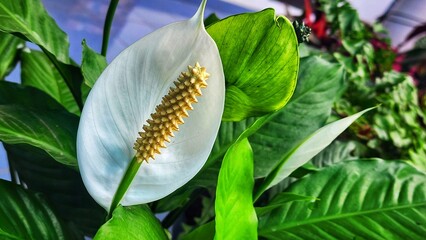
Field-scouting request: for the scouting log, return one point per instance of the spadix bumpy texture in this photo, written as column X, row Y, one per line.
column 169, row 114
column 122, row 101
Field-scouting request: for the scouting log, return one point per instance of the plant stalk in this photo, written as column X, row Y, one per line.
column 125, row 182
column 107, row 26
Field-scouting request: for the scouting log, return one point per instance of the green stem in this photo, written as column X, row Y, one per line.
column 125, row 182
column 107, row 26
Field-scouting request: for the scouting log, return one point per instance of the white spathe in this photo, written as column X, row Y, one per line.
column 122, row 100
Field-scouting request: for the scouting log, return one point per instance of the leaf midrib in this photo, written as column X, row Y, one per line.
column 339, row 216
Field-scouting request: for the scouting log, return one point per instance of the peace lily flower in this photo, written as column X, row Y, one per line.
column 136, row 104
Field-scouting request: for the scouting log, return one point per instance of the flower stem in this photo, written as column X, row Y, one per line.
column 107, row 26
column 125, row 182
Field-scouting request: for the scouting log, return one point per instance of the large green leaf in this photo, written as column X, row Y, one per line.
column 25, row 215
column 92, row 65
column 235, row 214
column 9, row 46
column 371, row 199
column 53, row 131
column 135, row 222
column 62, row 187
column 260, row 58
column 39, row 72
column 28, row 18
column 319, row 83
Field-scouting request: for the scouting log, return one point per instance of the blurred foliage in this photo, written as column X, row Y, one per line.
column 397, row 129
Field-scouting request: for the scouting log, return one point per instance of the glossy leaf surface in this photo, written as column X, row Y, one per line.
column 235, row 215
column 135, row 222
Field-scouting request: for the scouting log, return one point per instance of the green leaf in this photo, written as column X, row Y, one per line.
column 62, row 187
column 39, row 72
column 9, row 46
column 260, row 57
column 373, row 199
column 92, row 65
column 235, row 214
column 25, row 215
column 29, row 19
column 319, row 83
column 307, row 149
column 53, row 131
column 135, row 222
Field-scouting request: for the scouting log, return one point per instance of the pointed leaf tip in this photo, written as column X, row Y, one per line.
column 310, row 147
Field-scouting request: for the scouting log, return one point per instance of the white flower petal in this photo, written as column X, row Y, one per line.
column 124, row 97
